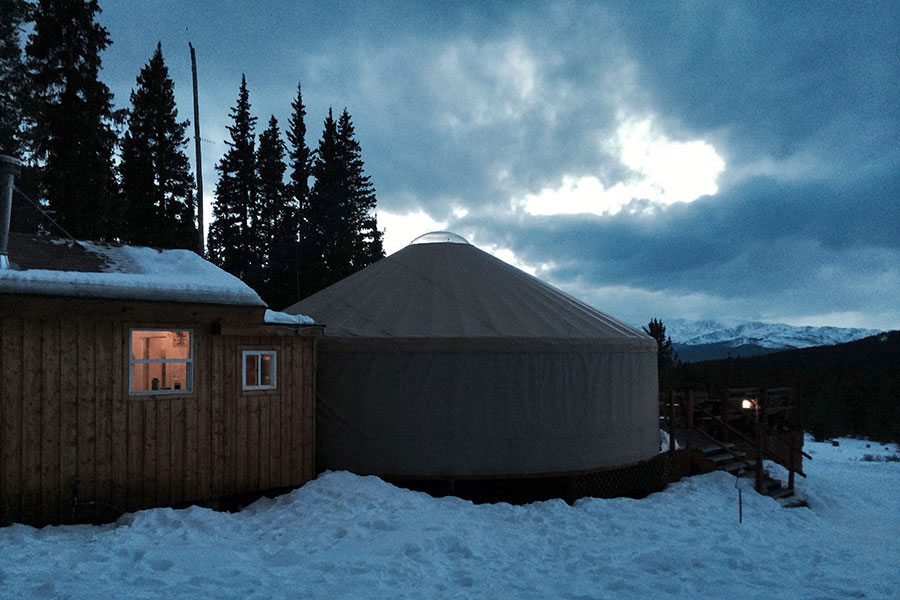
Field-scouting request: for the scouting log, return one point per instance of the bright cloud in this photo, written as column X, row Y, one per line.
column 460, row 212
column 577, row 195
column 682, row 171
column 400, row 230
column 665, row 172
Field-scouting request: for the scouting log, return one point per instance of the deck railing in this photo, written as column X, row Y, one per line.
column 753, row 423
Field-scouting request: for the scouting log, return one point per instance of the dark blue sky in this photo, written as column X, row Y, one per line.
column 697, row 160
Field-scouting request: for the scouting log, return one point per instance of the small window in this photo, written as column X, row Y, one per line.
column 161, row 361
column 259, row 369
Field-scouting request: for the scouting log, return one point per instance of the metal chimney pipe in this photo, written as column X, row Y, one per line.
column 9, row 167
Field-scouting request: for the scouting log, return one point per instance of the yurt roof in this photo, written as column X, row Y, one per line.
column 448, row 289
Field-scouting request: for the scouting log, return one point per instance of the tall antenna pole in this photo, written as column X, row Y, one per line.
column 199, row 165
column 9, row 166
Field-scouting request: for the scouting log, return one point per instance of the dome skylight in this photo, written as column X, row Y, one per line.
column 439, row 237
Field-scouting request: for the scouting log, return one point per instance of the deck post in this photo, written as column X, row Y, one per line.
column 763, row 429
column 759, row 441
column 672, row 421
column 690, row 418
column 792, row 463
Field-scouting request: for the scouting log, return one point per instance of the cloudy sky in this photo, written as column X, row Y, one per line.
column 697, row 160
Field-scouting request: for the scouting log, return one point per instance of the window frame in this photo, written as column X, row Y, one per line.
column 188, row 362
column 274, row 369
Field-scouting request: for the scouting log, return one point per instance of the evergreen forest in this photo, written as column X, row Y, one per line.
column 287, row 219
column 844, row 389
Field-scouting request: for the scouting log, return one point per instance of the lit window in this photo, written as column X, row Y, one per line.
column 161, row 361
column 259, row 370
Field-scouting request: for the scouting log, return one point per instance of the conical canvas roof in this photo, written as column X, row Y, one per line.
column 454, row 291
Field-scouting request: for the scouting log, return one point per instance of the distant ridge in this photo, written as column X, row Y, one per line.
column 712, row 339
column 701, row 352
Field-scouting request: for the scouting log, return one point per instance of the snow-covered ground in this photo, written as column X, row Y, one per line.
column 344, row 536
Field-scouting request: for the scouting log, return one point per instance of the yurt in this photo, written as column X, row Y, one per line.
column 442, row 361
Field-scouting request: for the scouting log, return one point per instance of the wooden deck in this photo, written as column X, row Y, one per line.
column 736, row 428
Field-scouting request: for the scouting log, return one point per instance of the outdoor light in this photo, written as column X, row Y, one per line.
column 746, row 403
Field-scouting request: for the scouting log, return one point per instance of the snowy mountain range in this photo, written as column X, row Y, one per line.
column 709, row 339
column 777, row 336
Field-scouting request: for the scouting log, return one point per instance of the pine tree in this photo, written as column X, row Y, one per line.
column 327, row 222
column 12, row 77
column 331, row 216
column 665, row 356
column 277, row 227
column 299, row 152
column 270, row 170
column 340, row 222
column 157, row 185
column 367, row 239
column 305, row 257
column 71, row 118
column 232, row 243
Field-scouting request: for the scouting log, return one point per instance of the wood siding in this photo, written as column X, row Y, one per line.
column 72, row 438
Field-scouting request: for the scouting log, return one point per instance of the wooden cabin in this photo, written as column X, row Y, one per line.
column 133, row 378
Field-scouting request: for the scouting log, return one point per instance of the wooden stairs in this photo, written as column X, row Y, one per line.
column 736, row 429
column 724, row 456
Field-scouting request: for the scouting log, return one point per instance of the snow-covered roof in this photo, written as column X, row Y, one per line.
column 53, row 266
column 279, row 318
